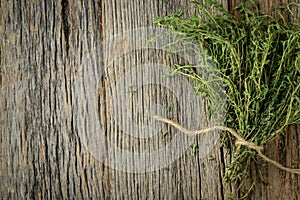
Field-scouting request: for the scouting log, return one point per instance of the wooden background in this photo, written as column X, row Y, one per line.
column 59, row 87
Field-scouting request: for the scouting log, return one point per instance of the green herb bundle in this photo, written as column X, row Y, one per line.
column 258, row 61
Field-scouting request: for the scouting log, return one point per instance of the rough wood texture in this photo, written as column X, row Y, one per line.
column 72, row 88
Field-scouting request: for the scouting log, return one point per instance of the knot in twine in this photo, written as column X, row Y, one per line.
column 239, row 141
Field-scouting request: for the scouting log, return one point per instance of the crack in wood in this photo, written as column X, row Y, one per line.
column 65, row 22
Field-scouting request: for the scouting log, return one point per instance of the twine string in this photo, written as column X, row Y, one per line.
column 239, row 141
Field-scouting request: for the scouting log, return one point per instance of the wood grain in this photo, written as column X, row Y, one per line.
column 75, row 85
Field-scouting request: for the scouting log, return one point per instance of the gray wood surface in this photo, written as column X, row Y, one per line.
column 78, row 81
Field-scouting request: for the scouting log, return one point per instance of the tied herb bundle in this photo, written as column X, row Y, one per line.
column 258, row 61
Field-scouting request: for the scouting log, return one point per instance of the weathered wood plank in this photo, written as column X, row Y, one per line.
column 41, row 157
column 183, row 178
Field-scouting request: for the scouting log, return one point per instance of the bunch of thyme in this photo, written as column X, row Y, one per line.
column 258, row 60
